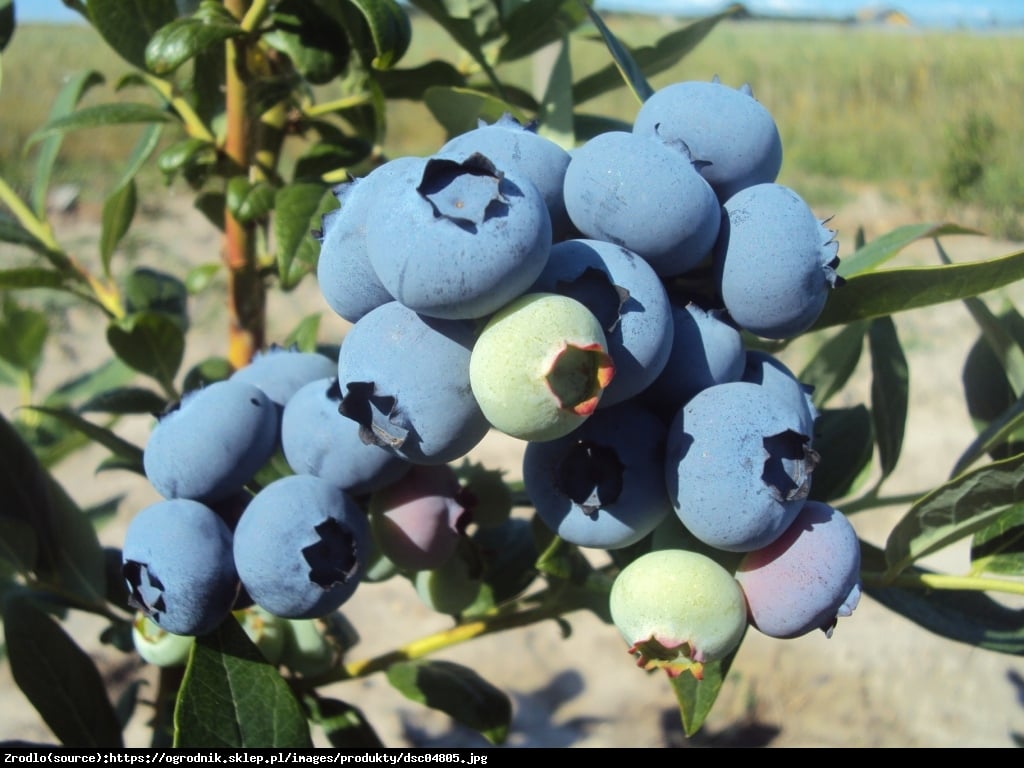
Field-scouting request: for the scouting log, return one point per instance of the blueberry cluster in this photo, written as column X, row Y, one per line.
column 592, row 303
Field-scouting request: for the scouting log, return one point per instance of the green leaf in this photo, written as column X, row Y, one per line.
column 304, row 335
column 890, row 391
column 556, row 120
column 68, row 96
column 231, row 697
column 457, row 691
column 650, row 60
column 389, row 29
column 834, row 363
column 460, row 109
column 249, row 202
column 845, row 442
column 1001, row 432
column 189, row 156
column 141, row 152
column 100, row 116
column 412, row 82
column 967, row 617
column 69, row 556
column 533, row 24
column 182, row 39
column 874, row 294
column 151, row 343
column 148, row 289
column 124, row 400
column 881, row 249
column 697, row 697
column 212, row 205
column 127, row 25
column 624, row 61
column 471, row 24
column 199, row 278
column 966, row 504
column 7, row 22
column 17, row 545
column 298, row 211
column 345, row 726
column 23, row 334
column 124, row 450
column 12, row 232
column 311, row 37
column 999, row 549
column 118, row 212
column 58, row 677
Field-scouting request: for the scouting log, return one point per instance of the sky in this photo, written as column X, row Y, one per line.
column 923, row 12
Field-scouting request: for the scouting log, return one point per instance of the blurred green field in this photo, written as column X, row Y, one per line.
column 920, row 113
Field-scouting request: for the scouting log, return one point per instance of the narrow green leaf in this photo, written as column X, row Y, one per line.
column 624, row 61
column 345, row 726
column 99, row 116
column 69, row 556
column 845, row 442
column 124, row 400
column 874, row 294
column 124, row 450
column 834, row 363
column 967, row 617
column 697, row 697
column 1000, row 431
column 966, row 504
column 457, row 691
column 141, row 152
column 304, row 335
column 460, row 109
column 311, row 37
column 533, row 24
column 68, row 96
column 231, row 697
column 108, row 375
column 999, row 549
column 881, row 249
column 890, row 391
column 18, row 546
column 411, row 83
column 31, row 277
column 298, row 210
column 127, row 25
column 7, row 22
column 118, row 212
column 12, row 232
column 665, row 53
column 58, row 677
column 556, row 120
column 472, row 26
column 389, row 28
column 182, row 39
column 23, row 334
column 151, row 343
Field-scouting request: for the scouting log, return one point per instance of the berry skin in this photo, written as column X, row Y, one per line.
column 602, row 485
column 774, row 262
column 318, row 440
column 417, row 520
column 678, row 610
column 807, row 578
column 706, row 350
column 540, row 366
column 280, row 371
column 518, row 149
column 176, row 561
column 347, row 280
column 405, row 379
column 627, row 297
column 645, row 195
column 213, row 442
column 727, row 130
column 301, row 547
column 738, row 466
column 771, row 373
column 462, row 241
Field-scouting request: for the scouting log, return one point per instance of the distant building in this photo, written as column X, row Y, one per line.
column 891, row 16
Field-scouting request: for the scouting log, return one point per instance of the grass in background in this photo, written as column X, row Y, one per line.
column 921, row 113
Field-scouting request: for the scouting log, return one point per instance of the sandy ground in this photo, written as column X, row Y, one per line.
column 879, row 681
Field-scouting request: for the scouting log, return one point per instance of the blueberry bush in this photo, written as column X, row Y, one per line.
column 617, row 294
